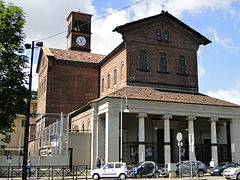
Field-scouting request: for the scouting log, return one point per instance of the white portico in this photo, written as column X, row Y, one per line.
column 150, row 128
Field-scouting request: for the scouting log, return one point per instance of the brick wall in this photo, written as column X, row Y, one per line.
column 118, row 63
column 70, row 85
column 181, row 42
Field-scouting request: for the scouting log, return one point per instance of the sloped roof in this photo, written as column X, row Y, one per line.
column 164, row 13
column 76, row 55
column 144, row 93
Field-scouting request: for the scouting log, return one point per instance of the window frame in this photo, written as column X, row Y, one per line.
column 163, row 64
column 115, row 76
column 158, row 35
column 143, row 60
column 103, row 84
column 166, row 35
column 181, row 65
column 109, row 81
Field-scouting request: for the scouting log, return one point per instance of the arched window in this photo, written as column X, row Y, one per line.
column 83, row 127
column 163, row 63
column 121, row 74
column 181, row 65
column 102, row 84
column 115, row 76
column 166, row 36
column 143, row 60
column 109, row 80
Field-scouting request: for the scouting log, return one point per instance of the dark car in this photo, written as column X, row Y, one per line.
column 186, row 168
column 219, row 169
column 144, row 169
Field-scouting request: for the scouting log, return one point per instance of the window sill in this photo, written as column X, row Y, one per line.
column 163, row 72
column 143, row 70
column 181, row 74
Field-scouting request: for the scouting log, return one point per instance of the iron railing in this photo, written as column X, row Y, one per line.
column 47, row 172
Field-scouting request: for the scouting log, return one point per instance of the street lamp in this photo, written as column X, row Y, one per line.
column 121, row 127
column 26, row 131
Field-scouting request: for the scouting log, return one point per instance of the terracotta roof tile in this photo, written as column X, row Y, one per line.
column 169, row 96
column 76, row 55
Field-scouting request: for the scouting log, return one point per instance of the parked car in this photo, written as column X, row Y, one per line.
column 144, row 169
column 232, row 173
column 194, row 167
column 220, row 167
column 163, row 172
column 110, row 170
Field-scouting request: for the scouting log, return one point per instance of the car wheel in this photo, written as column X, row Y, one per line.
column 122, row 176
column 96, row 177
column 238, row 176
column 200, row 173
column 138, row 175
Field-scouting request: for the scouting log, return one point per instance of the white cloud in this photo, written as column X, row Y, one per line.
column 227, row 95
column 226, row 42
column 46, row 18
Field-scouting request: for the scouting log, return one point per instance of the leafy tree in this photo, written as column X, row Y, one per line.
column 13, row 79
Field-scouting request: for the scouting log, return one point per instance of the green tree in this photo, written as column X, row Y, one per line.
column 13, row 79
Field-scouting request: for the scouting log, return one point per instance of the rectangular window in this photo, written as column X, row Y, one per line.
column 158, row 34
column 166, row 36
column 23, row 123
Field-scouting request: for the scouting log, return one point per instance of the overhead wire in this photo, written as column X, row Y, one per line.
column 59, row 33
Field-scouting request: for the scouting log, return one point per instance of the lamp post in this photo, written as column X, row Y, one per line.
column 121, row 124
column 26, row 131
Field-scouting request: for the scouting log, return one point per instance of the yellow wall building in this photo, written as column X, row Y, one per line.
column 16, row 138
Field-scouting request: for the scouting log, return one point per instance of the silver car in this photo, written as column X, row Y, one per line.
column 232, row 173
column 195, row 167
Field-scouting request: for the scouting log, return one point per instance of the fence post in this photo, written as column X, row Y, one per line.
column 63, row 172
column 11, row 174
column 38, row 169
column 86, row 171
column 51, row 169
column 76, row 171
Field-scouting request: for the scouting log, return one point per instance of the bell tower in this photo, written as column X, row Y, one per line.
column 79, row 31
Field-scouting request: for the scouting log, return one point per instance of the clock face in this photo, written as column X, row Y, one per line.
column 81, row 41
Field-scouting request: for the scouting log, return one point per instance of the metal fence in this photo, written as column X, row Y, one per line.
column 52, row 134
column 46, row 172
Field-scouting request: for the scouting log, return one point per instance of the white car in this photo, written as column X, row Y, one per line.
column 232, row 173
column 110, row 170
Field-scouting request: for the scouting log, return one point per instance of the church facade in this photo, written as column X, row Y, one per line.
column 152, row 74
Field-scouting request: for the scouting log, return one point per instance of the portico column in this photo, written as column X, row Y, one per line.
column 141, row 135
column 94, row 138
column 112, row 136
column 213, row 121
column 191, row 138
column 167, row 147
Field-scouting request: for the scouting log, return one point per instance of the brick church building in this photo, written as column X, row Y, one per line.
column 153, row 71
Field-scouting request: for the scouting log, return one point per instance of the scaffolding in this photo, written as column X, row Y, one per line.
column 52, row 134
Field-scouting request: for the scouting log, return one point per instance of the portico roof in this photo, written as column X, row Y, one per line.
column 145, row 93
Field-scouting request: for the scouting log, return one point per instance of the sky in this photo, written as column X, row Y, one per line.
column 218, row 20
